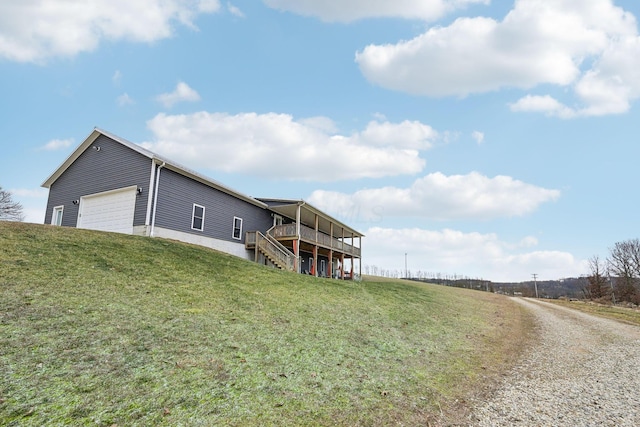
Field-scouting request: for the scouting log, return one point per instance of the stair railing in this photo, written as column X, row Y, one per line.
column 281, row 255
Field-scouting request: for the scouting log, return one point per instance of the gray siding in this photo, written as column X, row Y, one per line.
column 177, row 194
column 114, row 166
column 304, row 256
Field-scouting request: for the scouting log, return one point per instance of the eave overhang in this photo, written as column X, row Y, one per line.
column 288, row 208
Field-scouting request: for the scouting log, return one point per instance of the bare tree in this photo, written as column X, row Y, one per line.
column 597, row 281
column 622, row 265
column 9, row 210
column 634, row 255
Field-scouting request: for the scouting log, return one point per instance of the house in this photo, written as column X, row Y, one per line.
column 111, row 184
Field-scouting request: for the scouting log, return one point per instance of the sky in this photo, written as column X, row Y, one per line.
column 477, row 138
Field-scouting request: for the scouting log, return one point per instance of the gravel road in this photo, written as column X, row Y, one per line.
column 584, row 372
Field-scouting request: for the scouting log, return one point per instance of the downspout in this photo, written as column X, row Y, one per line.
column 152, row 177
column 155, row 200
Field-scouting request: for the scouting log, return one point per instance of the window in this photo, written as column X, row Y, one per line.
column 323, row 268
column 56, row 218
column 237, row 228
column 197, row 220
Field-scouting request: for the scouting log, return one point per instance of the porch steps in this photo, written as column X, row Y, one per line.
column 272, row 258
column 273, row 250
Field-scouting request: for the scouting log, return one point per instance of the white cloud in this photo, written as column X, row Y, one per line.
column 439, row 197
column 608, row 87
column 125, row 99
column 116, row 78
column 590, row 46
column 36, row 30
column 473, row 255
column 542, row 104
column 34, row 193
column 528, row 242
column 57, row 144
column 320, row 123
column 407, row 134
column 352, row 10
column 478, row 136
column 182, row 93
column 235, row 11
column 277, row 146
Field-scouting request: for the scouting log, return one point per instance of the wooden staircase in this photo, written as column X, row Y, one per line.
column 271, row 249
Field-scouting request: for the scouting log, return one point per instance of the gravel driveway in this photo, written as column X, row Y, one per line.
column 584, row 372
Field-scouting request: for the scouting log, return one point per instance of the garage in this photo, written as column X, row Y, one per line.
column 108, row 211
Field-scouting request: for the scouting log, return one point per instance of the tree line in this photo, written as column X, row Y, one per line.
column 615, row 279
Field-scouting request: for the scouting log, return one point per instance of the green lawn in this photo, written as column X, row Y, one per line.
column 103, row 329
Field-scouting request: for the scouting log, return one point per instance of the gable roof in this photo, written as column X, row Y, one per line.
column 169, row 164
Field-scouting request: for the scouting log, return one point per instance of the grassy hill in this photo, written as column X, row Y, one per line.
column 106, row 329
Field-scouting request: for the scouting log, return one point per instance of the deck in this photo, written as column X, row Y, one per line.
column 309, row 235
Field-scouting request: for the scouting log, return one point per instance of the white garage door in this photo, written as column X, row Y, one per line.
column 108, row 211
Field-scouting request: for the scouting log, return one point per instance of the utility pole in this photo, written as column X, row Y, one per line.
column 613, row 295
column 535, row 283
column 406, row 272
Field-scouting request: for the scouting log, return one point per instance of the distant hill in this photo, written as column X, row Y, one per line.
column 109, row 329
column 571, row 287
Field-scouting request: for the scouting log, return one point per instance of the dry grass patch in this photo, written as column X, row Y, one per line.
column 622, row 314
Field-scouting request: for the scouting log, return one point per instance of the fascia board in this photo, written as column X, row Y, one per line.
column 72, row 158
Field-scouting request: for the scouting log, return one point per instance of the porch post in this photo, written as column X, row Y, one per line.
column 256, row 248
column 342, row 266
column 331, row 263
column 296, row 242
column 331, row 235
column 353, row 246
column 316, row 225
column 360, row 258
column 353, row 267
column 342, row 255
column 315, row 250
column 331, row 249
column 315, row 260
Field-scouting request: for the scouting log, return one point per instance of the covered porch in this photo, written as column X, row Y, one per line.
column 322, row 245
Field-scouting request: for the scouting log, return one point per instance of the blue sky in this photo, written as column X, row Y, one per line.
column 485, row 139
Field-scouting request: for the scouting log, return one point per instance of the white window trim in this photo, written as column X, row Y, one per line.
column 53, row 215
column 193, row 217
column 233, row 231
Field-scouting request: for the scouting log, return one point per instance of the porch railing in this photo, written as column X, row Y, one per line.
column 308, row 234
